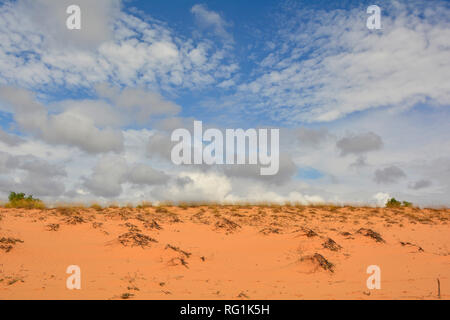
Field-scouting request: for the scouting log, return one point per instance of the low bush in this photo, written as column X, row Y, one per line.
column 19, row 200
column 393, row 203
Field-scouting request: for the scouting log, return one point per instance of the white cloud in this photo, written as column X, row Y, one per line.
column 69, row 128
column 139, row 103
column 208, row 19
column 112, row 172
column 381, row 198
column 37, row 50
column 31, row 175
column 331, row 66
column 93, row 125
column 107, row 177
column 199, row 187
column 10, row 139
column 97, row 19
column 142, row 174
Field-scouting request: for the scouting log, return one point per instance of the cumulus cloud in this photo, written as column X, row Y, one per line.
column 35, row 183
column 140, row 104
column 389, row 175
column 81, row 132
column 160, row 145
column 29, row 163
column 107, row 177
column 142, row 174
column 68, row 128
column 111, row 172
column 169, row 124
column 32, row 175
column 101, row 112
column 9, row 139
column 197, row 186
column 359, row 143
column 215, row 186
column 257, row 193
column 287, row 169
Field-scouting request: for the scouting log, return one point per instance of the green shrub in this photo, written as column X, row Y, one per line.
column 17, row 196
column 393, row 203
column 407, row 204
column 19, row 200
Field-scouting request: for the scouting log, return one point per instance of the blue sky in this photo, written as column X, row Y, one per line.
column 362, row 113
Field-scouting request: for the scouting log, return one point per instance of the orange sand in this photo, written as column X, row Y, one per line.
column 224, row 252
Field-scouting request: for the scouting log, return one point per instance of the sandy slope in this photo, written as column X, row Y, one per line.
column 224, row 253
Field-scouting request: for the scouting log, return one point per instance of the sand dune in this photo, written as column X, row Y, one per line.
column 225, row 252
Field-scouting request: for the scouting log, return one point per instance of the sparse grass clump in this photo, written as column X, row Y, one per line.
column 144, row 205
column 167, row 203
column 66, row 210
column 183, row 206
column 134, row 238
column 127, row 295
column 161, row 210
column 53, row 227
column 371, row 234
column 74, row 219
column 19, row 200
column 96, row 207
column 7, row 244
column 320, row 261
column 331, row 245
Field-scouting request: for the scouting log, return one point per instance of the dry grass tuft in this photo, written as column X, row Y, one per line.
column 7, row 244
column 371, row 234
column 74, row 220
column 145, row 205
column 309, row 232
column 270, row 230
column 52, row 227
column 320, row 260
column 227, row 225
column 411, row 245
column 185, row 253
column 161, row 209
column 152, row 225
column 96, row 207
column 136, row 239
column 331, row 245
